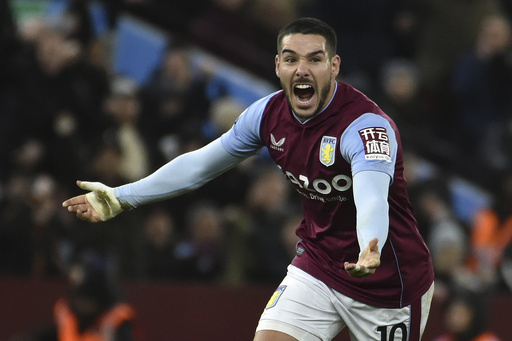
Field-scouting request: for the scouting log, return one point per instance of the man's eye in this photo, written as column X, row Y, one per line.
column 290, row 60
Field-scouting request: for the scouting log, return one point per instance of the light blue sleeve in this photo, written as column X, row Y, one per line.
column 191, row 170
column 371, row 190
column 369, row 144
column 243, row 139
column 183, row 174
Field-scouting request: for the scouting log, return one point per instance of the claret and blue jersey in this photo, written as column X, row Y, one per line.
column 320, row 157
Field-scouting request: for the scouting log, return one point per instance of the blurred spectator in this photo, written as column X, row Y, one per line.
column 446, row 237
column 401, row 95
column 272, row 15
column 448, row 28
column 124, row 106
column 54, row 96
column 222, row 114
column 229, row 189
column 497, row 154
column 50, row 237
column 157, row 256
column 228, row 28
column 80, row 22
column 406, row 29
column 30, row 158
column 402, row 99
column 175, row 103
column 465, row 320
column 121, row 238
column 268, row 205
column 31, row 226
column 68, row 82
column 93, row 308
column 483, row 83
column 491, row 234
column 506, row 268
column 201, row 254
column 10, row 52
column 16, row 227
column 105, row 163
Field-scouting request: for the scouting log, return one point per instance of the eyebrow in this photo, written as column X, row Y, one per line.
column 311, row 54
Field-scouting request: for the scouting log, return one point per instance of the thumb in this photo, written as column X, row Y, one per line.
column 373, row 245
column 91, row 186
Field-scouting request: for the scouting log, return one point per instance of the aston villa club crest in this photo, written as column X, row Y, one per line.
column 275, row 297
column 327, row 150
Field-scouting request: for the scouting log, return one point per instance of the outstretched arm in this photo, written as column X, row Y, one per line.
column 371, row 198
column 183, row 174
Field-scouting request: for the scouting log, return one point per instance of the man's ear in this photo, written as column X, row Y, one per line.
column 277, row 65
column 335, row 66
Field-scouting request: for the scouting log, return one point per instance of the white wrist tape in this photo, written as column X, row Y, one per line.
column 102, row 199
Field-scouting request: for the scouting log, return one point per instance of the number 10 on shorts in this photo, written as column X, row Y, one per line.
column 384, row 332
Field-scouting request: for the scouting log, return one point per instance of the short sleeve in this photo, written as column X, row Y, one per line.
column 369, row 143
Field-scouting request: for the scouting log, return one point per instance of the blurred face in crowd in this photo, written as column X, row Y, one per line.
column 159, row 228
column 459, row 317
column 495, row 36
column 177, row 67
column 307, row 73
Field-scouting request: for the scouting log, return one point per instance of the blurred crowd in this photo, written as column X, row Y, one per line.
column 441, row 69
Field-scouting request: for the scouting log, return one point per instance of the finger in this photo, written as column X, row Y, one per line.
column 355, row 268
column 358, row 270
column 78, row 200
column 80, row 215
column 88, row 215
column 361, row 269
column 78, row 208
column 349, row 266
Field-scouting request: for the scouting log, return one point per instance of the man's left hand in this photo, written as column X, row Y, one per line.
column 367, row 263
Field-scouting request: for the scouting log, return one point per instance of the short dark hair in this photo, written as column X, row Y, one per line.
column 309, row 26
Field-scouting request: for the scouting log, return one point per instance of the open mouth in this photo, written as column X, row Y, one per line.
column 304, row 93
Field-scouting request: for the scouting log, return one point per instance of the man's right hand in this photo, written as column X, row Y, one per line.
column 100, row 204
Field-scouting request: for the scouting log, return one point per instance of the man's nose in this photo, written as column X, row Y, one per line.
column 302, row 68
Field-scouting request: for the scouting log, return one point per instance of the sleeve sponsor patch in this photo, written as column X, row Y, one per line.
column 376, row 143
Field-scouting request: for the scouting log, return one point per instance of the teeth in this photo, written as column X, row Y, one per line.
column 303, row 86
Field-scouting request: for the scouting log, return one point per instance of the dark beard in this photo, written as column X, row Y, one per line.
column 323, row 97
